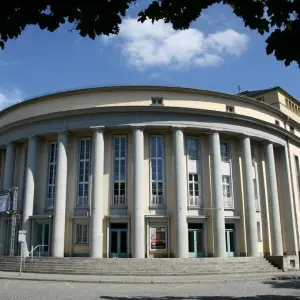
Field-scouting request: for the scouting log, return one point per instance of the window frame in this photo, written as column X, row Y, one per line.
column 81, row 241
column 196, row 150
column 230, row 184
column 194, row 183
column 86, row 204
column 163, row 172
column 157, row 100
column 226, row 158
column 119, row 159
column 54, row 164
column 230, row 109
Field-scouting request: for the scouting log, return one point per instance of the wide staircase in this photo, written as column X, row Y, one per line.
column 134, row 267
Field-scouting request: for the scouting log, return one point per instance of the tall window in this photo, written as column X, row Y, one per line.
column 119, row 179
column 83, row 172
column 225, row 154
column 297, row 173
column 194, row 190
column 82, row 233
column 256, row 194
column 192, row 148
column 51, row 175
column 157, row 167
column 227, row 191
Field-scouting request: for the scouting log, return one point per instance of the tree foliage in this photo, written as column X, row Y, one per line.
column 279, row 19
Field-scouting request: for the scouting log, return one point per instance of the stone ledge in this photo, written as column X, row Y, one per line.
column 285, row 262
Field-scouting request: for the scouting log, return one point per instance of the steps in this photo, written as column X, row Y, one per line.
column 135, row 267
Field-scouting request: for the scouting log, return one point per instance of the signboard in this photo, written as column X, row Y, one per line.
column 158, row 238
column 3, row 203
column 22, row 236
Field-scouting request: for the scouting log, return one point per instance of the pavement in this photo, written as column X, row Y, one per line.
column 293, row 275
column 229, row 290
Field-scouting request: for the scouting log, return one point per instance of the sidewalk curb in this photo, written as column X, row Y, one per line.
column 151, row 281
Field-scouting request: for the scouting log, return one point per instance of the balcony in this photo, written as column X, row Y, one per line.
column 82, row 202
column 118, row 201
column 49, row 203
column 157, row 200
column 228, row 202
column 195, row 201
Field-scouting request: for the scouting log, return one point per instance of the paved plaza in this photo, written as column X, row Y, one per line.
column 288, row 289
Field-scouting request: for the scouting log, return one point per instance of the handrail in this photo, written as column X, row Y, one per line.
column 31, row 254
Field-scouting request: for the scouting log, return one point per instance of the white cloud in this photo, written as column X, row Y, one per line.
column 8, row 98
column 148, row 45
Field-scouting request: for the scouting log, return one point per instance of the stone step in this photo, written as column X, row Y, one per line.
column 136, row 267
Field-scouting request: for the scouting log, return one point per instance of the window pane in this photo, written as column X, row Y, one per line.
column 190, row 177
column 196, row 177
column 154, row 192
column 191, row 189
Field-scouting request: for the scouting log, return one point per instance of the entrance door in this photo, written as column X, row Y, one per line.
column 42, row 239
column 118, row 242
column 230, row 239
column 196, row 244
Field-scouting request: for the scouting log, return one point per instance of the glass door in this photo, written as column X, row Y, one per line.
column 196, row 244
column 118, row 243
column 42, row 239
column 230, row 239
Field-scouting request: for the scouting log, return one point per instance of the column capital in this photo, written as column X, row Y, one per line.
column 139, row 127
column 98, row 128
column 176, row 128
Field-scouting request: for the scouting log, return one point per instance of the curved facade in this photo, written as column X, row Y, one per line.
column 153, row 172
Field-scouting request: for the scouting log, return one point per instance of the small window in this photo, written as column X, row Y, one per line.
column 157, row 101
column 277, row 123
column 230, row 109
column 262, row 99
column 82, row 233
column 259, row 234
column 292, row 129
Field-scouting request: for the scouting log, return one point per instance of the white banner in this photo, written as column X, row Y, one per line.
column 3, row 203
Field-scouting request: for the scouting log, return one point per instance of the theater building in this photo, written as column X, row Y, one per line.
column 145, row 171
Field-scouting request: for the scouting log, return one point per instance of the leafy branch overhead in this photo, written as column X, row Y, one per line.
column 279, row 19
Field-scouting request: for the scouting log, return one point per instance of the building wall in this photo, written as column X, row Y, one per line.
column 289, row 204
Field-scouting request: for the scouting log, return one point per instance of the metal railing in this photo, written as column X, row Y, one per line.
column 195, row 201
column 119, row 200
column 157, row 200
column 30, row 254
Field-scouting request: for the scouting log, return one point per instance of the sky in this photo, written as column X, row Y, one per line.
column 217, row 53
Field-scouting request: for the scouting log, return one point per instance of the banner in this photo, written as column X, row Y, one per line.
column 3, row 203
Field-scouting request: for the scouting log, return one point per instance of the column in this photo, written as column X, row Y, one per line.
column 7, row 183
column 29, row 191
column 60, row 196
column 285, row 184
column 9, row 166
column 181, row 194
column 250, row 209
column 96, row 247
column 217, row 197
column 138, row 218
column 274, row 213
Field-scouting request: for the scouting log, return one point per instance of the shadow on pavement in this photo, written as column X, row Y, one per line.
column 293, row 283
column 260, row 297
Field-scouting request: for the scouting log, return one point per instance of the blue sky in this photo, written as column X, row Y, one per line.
column 218, row 53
